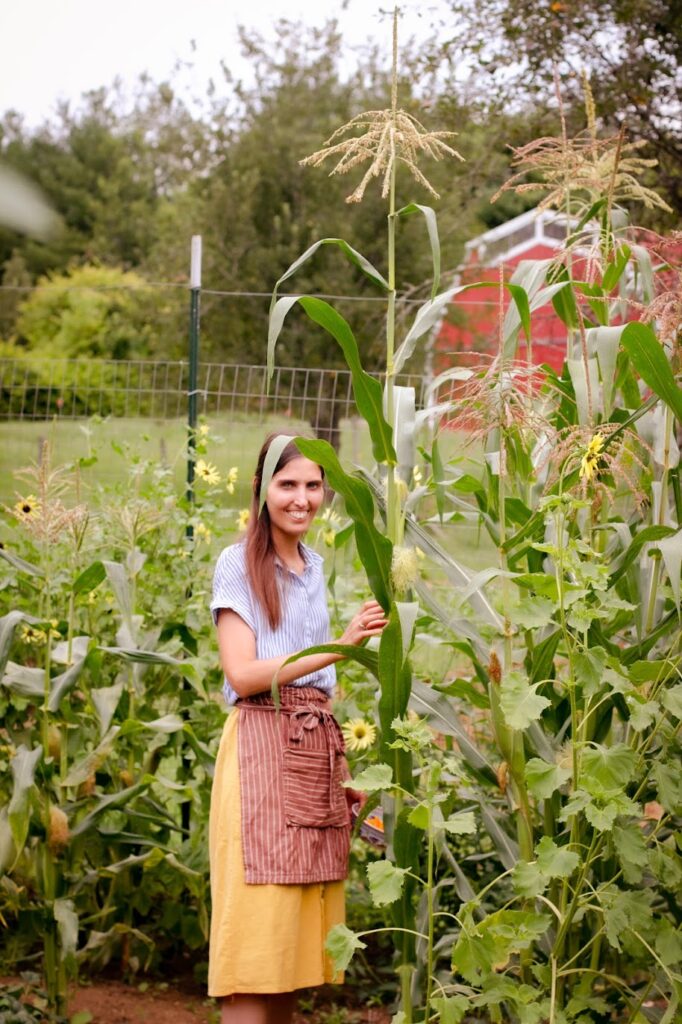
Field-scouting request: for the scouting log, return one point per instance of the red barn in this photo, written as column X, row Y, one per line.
column 473, row 323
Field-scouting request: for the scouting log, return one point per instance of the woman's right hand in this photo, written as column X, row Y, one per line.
column 369, row 621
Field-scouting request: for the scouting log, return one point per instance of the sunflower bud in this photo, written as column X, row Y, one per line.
column 58, row 834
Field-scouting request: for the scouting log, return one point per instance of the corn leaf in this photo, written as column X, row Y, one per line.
column 23, row 766
column 648, row 357
column 429, row 215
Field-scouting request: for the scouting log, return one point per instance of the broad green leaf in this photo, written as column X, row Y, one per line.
column 429, row 215
column 615, row 268
column 589, row 668
column 642, row 712
column 118, row 581
column 29, row 682
column 143, row 657
column 648, row 357
column 20, row 563
column 528, row 880
column 365, row 656
column 669, row 944
column 372, row 779
column 23, row 766
column 341, row 945
column 366, row 389
column 110, row 802
column 92, row 761
column 610, row 767
column 630, row 848
column 61, row 685
column 385, row 882
column 419, row 817
column 404, row 425
column 8, row 623
column 604, row 343
column 555, row 861
column 587, row 399
column 450, row 1009
column 520, row 702
column 671, row 549
column 672, row 700
column 460, row 824
column 89, row 578
column 543, row 779
column 105, row 700
column 648, row 535
column 668, row 786
column 374, row 548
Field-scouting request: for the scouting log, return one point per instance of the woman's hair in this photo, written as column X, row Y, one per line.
column 260, row 550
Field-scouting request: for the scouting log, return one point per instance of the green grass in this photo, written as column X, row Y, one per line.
column 120, row 447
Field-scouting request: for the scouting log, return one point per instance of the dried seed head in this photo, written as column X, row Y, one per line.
column 494, row 669
column 58, row 833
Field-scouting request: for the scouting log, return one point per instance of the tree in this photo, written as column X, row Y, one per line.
column 631, row 49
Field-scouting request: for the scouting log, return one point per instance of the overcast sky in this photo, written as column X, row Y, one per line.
column 57, row 50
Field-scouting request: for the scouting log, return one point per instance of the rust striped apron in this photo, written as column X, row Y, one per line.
column 295, row 824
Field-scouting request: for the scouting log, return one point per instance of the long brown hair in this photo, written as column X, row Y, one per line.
column 260, row 550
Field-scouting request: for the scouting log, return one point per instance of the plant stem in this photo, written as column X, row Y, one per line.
column 429, row 903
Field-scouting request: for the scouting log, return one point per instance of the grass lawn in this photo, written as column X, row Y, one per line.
column 123, row 447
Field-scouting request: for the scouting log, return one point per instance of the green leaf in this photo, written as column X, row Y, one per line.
column 8, row 623
column 668, row 786
column 365, row 656
column 23, row 766
column 366, row 389
column 372, row 779
column 672, row 700
column 419, row 817
column 555, row 861
column 89, row 578
column 110, row 802
column 93, row 760
column 543, row 778
column 352, row 255
column 631, row 850
column 272, row 457
column 671, row 549
column 463, row 823
column 646, row 536
column 385, row 882
column 528, row 880
column 450, row 1009
column 374, row 548
column 20, row 563
column 520, row 702
column 612, row 767
column 642, row 712
column 61, row 685
column 29, row 682
column 669, row 944
column 648, row 357
column 429, row 215
column 341, row 945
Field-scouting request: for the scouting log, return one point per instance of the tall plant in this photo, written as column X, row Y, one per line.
column 575, row 650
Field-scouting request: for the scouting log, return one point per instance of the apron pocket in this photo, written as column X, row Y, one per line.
column 313, row 798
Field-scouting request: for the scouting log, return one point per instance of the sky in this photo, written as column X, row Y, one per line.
column 56, row 51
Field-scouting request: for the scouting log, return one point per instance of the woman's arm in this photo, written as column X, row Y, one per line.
column 249, row 675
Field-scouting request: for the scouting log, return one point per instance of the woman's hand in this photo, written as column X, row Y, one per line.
column 369, row 621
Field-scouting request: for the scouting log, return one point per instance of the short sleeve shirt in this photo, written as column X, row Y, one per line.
column 305, row 617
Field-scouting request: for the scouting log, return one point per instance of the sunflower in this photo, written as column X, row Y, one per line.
column 589, row 464
column 202, row 532
column 27, row 509
column 358, row 734
column 231, row 479
column 207, row 472
column 243, row 519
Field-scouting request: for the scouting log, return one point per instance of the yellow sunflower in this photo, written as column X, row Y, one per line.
column 27, row 509
column 358, row 734
column 207, row 471
column 231, row 479
column 589, row 464
column 243, row 519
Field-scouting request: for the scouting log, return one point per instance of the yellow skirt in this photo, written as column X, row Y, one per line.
column 264, row 938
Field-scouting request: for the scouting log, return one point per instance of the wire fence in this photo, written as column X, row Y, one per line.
column 69, row 389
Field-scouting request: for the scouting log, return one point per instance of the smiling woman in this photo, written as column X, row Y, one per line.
column 279, row 827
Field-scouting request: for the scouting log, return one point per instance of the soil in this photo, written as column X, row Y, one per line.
column 183, row 1002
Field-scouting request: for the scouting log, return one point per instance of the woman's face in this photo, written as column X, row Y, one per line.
column 294, row 496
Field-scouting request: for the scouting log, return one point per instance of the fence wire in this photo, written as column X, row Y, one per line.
column 42, row 389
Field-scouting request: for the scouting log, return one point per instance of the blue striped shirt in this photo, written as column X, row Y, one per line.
column 305, row 617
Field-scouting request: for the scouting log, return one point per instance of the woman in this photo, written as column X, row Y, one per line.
column 279, row 826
